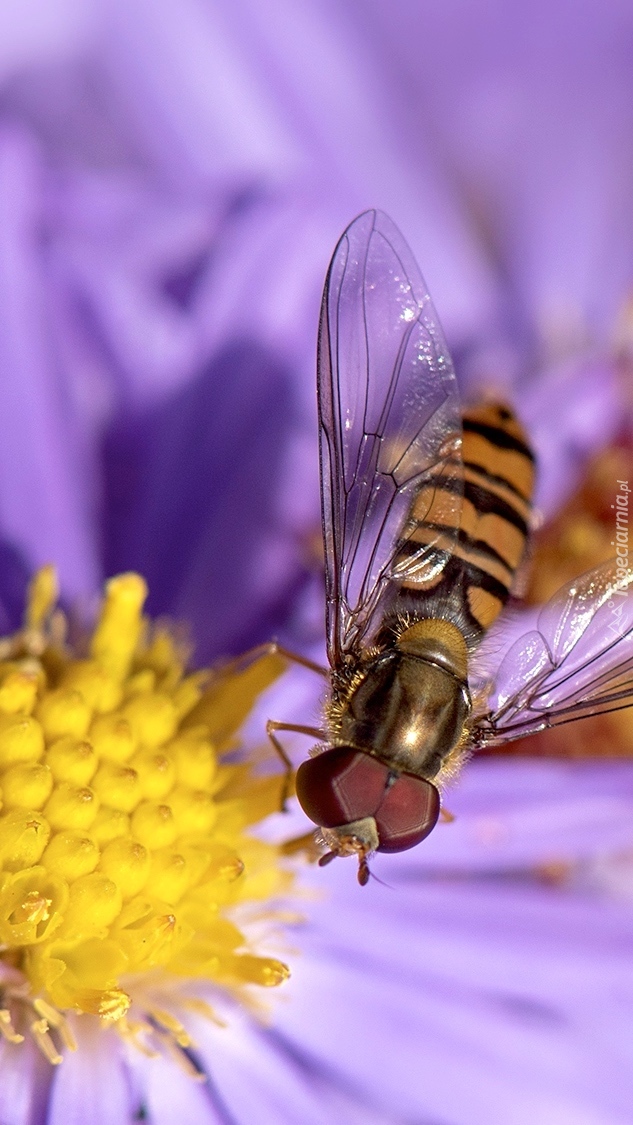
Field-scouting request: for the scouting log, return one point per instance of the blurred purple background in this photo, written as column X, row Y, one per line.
column 173, row 177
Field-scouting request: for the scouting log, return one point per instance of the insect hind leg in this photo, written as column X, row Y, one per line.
column 271, row 726
column 273, row 648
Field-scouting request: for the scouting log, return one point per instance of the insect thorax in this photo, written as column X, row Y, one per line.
column 408, row 704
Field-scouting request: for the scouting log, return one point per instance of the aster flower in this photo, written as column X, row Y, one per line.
column 130, row 935
column 121, row 852
column 173, row 176
column 172, row 189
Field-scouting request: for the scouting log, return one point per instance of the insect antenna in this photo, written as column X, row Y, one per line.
column 327, row 858
column 363, row 871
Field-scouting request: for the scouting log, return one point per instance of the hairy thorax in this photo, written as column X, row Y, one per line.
column 407, row 705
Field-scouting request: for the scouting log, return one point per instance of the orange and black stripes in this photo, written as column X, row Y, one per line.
column 484, row 537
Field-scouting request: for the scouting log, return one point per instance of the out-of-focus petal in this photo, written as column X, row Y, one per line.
column 491, row 999
column 177, row 472
column 585, row 400
column 535, row 124
column 37, row 31
column 92, row 1083
column 24, row 1088
column 170, row 1094
column 263, row 1077
column 521, row 814
column 45, row 496
column 265, row 113
column 14, row 578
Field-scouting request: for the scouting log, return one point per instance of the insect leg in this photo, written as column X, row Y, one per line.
column 271, row 726
column 305, row 843
column 272, row 648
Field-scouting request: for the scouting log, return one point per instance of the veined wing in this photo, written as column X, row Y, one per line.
column 577, row 662
column 389, row 423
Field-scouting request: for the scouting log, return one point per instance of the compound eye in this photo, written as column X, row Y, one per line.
column 340, row 786
column 409, row 811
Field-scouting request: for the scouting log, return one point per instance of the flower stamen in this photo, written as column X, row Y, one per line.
column 180, row 1056
column 136, row 1032
column 40, row 1031
column 56, row 1020
column 7, row 1029
column 171, row 1024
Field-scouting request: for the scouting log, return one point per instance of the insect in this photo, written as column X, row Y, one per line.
column 426, row 515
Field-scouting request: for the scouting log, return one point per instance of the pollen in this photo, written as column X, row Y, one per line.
column 125, row 829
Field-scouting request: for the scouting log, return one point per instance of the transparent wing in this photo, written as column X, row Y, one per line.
column 577, row 662
column 389, row 422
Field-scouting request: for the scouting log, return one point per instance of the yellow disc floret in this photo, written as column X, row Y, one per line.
column 124, row 837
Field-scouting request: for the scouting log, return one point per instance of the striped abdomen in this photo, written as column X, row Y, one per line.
column 488, row 545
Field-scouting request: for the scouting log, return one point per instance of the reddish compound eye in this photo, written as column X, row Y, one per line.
column 340, row 786
column 408, row 812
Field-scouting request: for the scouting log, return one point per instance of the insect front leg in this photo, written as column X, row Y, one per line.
column 271, row 726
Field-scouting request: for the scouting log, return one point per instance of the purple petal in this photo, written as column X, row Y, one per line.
column 171, row 1095
column 24, row 1087
column 92, row 1084
column 174, row 478
column 488, row 992
column 262, row 1077
column 44, row 497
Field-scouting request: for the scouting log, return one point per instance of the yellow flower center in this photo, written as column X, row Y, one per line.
column 124, row 841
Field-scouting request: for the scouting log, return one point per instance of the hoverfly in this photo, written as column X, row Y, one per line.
column 426, row 514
